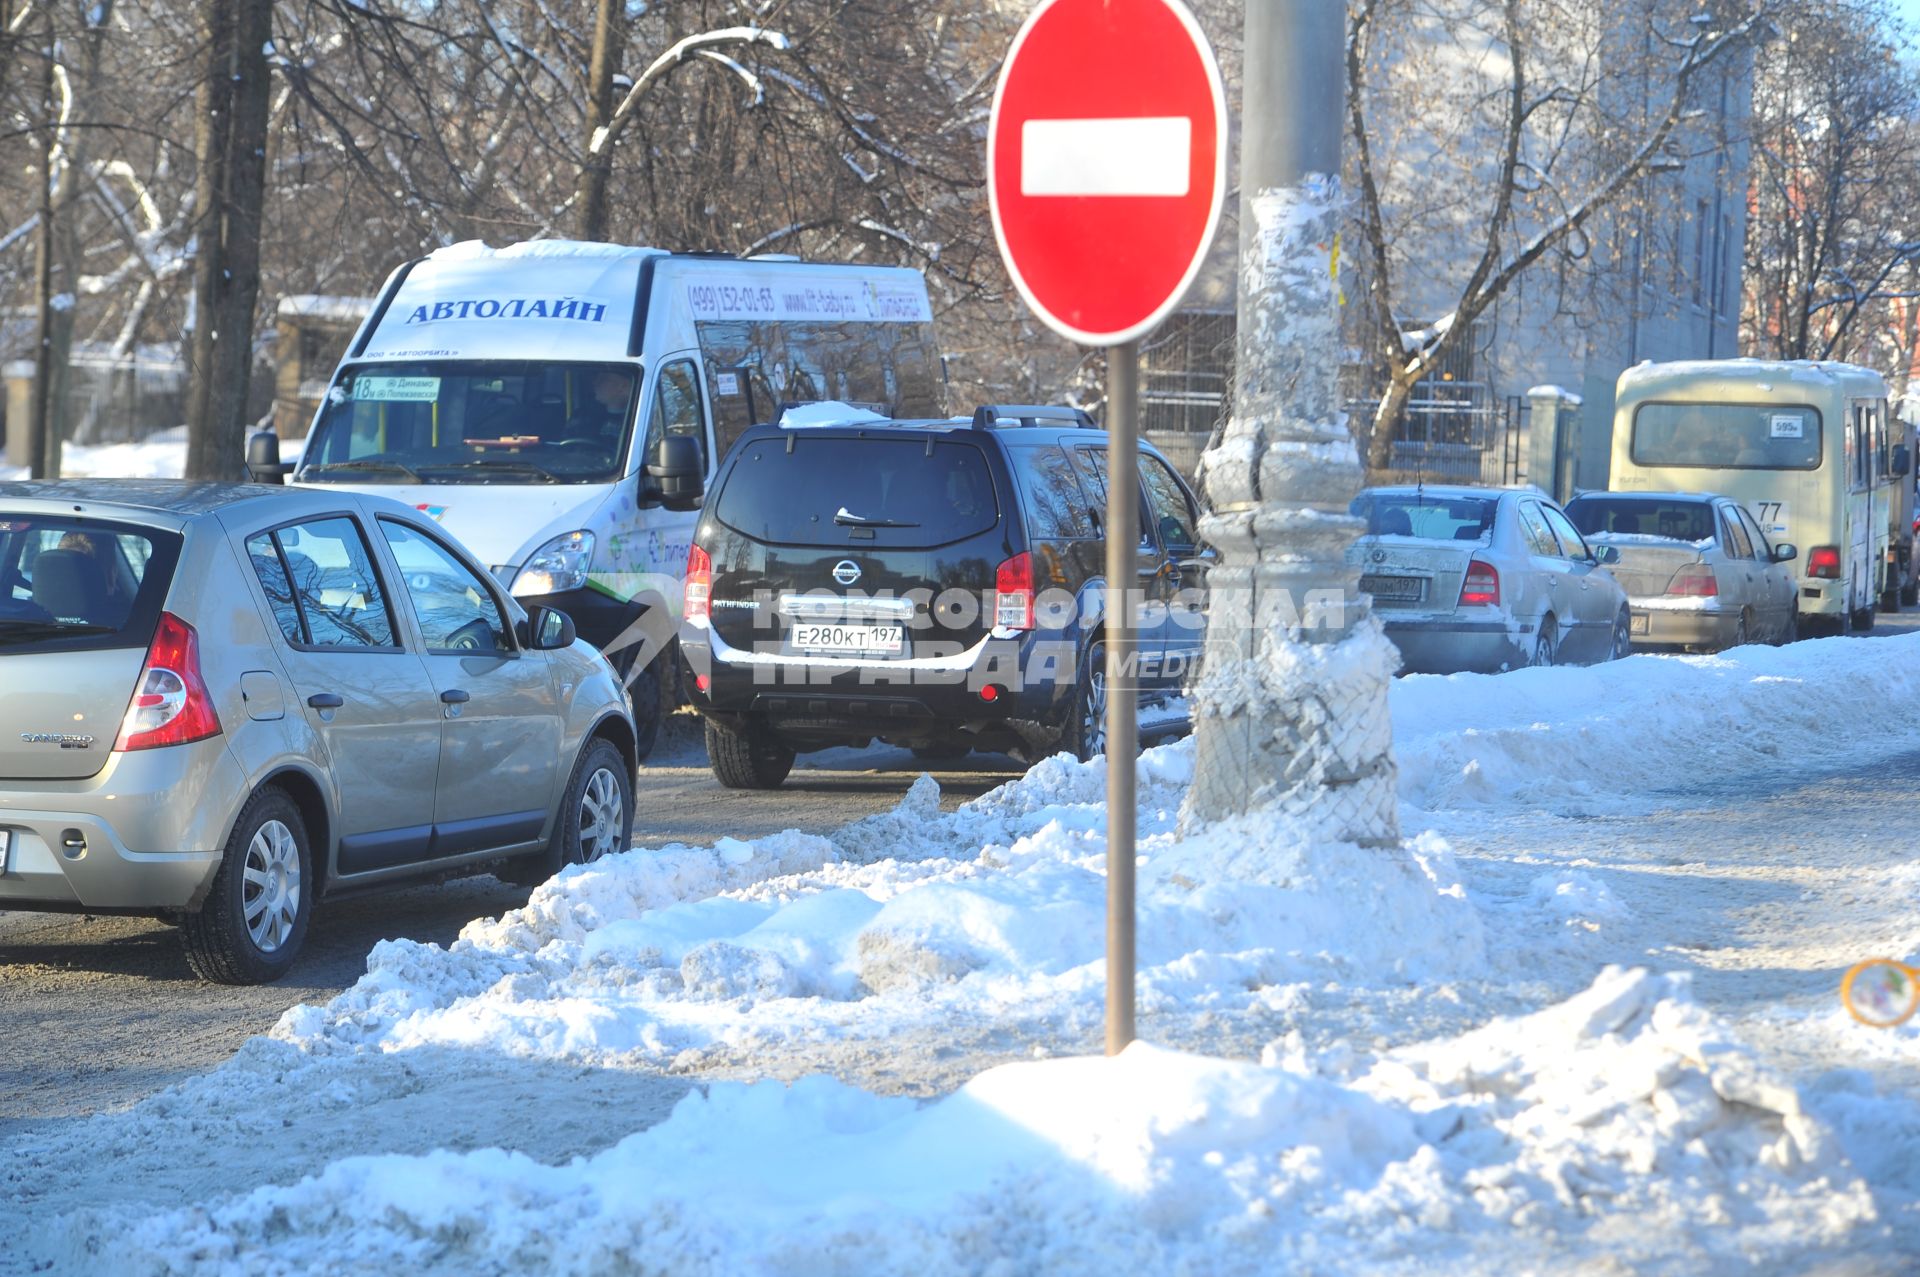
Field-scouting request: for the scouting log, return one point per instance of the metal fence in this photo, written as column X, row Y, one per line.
column 1480, row 440
column 1455, row 428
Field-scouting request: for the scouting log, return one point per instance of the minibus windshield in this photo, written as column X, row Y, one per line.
column 1727, row 436
column 473, row 421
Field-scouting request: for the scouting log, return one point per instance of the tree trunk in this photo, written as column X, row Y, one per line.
column 54, row 327
column 231, row 143
column 1388, row 417
column 596, row 166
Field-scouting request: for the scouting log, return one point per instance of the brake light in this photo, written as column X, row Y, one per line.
column 1481, row 588
column 1013, row 593
column 171, row 704
column 1695, row 581
column 1824, row 561
column 699, row 595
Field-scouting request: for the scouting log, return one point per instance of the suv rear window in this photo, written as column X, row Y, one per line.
column 78, row 584
column 837, row 490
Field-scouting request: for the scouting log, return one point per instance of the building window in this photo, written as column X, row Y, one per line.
column 1702, row 227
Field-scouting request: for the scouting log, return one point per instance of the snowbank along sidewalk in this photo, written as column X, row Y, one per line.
column 1387, row 1125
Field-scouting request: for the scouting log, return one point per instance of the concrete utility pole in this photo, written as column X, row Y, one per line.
column 1291, row 707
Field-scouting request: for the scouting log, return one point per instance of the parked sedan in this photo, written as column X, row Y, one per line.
column 223, row 703
column 1486, row 579
column 1698, row 571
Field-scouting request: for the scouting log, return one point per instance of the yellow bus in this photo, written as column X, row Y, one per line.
column 1807, row 447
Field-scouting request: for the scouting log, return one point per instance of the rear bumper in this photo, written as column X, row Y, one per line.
column 146, row 833
column 1689, row 627
column 1822, row 597
column 1443, row 646
column 813, row 701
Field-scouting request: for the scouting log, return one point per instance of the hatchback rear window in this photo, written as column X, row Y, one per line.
column 79, row 584
column 907, row 493
column 1424, row 514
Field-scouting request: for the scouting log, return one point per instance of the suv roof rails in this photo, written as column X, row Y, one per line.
column 987, row 416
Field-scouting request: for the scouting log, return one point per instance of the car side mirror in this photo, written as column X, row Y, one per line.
column 1785, row 552
column 263, row 458
column 548, row 629
column 672, row 473
column 1607, row 555
column 1902, row 460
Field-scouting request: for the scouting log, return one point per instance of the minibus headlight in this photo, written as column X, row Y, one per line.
column 558, row 566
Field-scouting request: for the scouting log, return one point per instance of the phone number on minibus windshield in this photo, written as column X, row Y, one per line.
column 851, row 302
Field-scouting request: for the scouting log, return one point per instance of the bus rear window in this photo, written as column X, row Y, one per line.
column 1727, row 436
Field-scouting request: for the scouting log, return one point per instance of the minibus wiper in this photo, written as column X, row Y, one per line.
column 371, row 463
column 501, row 467
column 847, row 519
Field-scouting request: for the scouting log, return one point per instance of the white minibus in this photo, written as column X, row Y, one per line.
column 1807, row 447
column 547, row 403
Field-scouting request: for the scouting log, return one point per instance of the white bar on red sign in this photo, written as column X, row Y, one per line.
column 1141, row 155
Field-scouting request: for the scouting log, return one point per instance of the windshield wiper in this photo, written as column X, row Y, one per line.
column 848, row 519
column 370, row 463
column 501, row 467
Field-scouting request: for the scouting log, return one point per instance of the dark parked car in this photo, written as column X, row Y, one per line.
column 932, row 584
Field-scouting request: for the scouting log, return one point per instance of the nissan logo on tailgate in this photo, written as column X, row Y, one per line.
column 846, row 571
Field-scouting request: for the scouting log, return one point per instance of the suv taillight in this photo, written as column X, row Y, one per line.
column 1481, row 588
column 171, row 704
column 1695, row 581
column 1013, row 593
column 1824, row 561
column 699, row 594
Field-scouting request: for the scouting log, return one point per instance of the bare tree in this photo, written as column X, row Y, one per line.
column 1532, row 85
column 1833, row 236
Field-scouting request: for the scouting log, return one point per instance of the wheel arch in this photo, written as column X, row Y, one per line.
column 310, row 796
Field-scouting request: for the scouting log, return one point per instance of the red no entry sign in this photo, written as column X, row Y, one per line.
column 1107, row 163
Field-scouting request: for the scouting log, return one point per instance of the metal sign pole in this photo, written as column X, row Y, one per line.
column 1123, row 703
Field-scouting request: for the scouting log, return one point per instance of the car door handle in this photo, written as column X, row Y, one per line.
column 326, row 700
column 454, row 696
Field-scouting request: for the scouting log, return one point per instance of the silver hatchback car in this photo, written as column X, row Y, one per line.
column 221, row 703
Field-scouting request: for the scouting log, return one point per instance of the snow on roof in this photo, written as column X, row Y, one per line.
column 828, row 412
column 323, row 306
column 468, row 250
column 1821, row 372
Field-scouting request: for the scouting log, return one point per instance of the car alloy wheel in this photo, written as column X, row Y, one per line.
column 1091, row 729
column 603, row 816
column 270, row 886
column 1543, row 645
column 1622, row 637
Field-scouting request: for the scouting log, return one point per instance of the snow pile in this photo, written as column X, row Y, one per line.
column 1624, row 1118
column 906, row 921
column 1610, row 736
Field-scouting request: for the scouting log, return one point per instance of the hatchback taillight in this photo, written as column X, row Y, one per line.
column 1824, row 561
column 1695, row 581
column 1013, row 593
column 171, row 704
column 699, row 595
column 1481, row 588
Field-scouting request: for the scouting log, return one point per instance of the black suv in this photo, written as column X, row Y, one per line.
column 938, row 585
